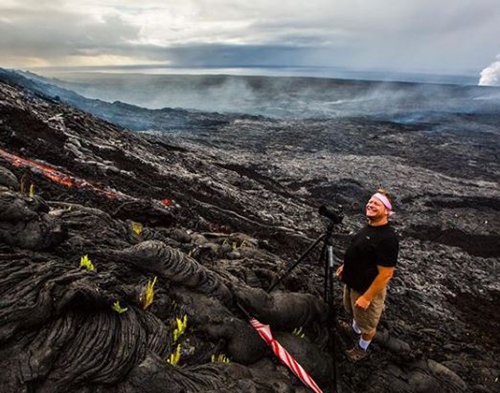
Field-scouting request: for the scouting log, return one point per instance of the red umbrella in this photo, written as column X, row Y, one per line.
column 283, row 355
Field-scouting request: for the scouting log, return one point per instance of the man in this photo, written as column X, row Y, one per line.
column 369, row 264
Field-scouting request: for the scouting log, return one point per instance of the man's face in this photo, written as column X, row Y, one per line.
column 375, row 209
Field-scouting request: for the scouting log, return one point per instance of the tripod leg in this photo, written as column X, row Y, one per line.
column 332, row 315
column 289, row 270
column 324, row 261
column 330, row 274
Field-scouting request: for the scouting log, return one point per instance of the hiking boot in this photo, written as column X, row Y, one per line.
column 356, row 354
column 346, row 329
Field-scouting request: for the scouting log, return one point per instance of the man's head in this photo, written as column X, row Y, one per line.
column 379, row 208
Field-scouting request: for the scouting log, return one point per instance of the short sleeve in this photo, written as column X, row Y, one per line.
column 387, row 252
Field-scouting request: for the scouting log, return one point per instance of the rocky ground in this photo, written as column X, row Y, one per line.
column 445, row 176
column 217, row 216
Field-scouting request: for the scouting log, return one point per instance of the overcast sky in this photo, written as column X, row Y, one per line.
column 445, row 36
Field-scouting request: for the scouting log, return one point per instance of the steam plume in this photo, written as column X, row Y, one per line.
column 490, row 76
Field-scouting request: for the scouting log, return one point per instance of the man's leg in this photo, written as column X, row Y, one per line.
column 346, row 300
column 350, row 328
column 366, row 339
column 367, row 321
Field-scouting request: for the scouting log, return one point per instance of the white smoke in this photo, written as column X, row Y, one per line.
column 490, row 76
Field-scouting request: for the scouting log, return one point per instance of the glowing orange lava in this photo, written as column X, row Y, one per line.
column 53, row 174
column 57, row 176
column 166, row 202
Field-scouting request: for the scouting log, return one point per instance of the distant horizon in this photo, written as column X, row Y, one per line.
column 279, row 97
column 384, row 39
column 325, row 72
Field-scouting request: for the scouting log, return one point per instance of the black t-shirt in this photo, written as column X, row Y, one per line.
column 370, row 247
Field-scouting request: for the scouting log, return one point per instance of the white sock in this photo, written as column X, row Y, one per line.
column 363, row 343
column 355, row 327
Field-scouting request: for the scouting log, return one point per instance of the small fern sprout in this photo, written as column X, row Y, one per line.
column 221, row 358
column 298, row 332
column 175, row 357
column 181, row 327
column 147, row 295
column 119, row 309
column 86, row 263
column 136, row 227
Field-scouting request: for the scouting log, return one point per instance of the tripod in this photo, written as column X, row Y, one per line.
column 327, row 260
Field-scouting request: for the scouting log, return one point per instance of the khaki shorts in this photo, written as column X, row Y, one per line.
column 367, row 320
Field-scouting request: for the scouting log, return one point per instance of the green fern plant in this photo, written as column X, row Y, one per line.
column 298, row 332
column 86, row 263
column 136, row 227
column 221, row 358
column 119, row 309
column 147, row 295
column 175, row 357
column 181, row 327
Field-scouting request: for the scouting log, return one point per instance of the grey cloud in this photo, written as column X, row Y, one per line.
column 448, row 36
column 452, row 35
column 215, row 55
column 57, row 33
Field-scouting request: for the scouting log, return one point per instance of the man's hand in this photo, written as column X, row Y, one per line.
column 339, row 271
column 378, row 285
column 363, row 302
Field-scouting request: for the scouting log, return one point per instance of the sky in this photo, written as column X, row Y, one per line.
column 453, row 37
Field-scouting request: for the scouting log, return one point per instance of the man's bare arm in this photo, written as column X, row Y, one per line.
column 384, row 276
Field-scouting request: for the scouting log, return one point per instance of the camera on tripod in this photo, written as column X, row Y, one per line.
column 333, row 213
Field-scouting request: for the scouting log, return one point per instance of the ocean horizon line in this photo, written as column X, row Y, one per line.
column 322, row 72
